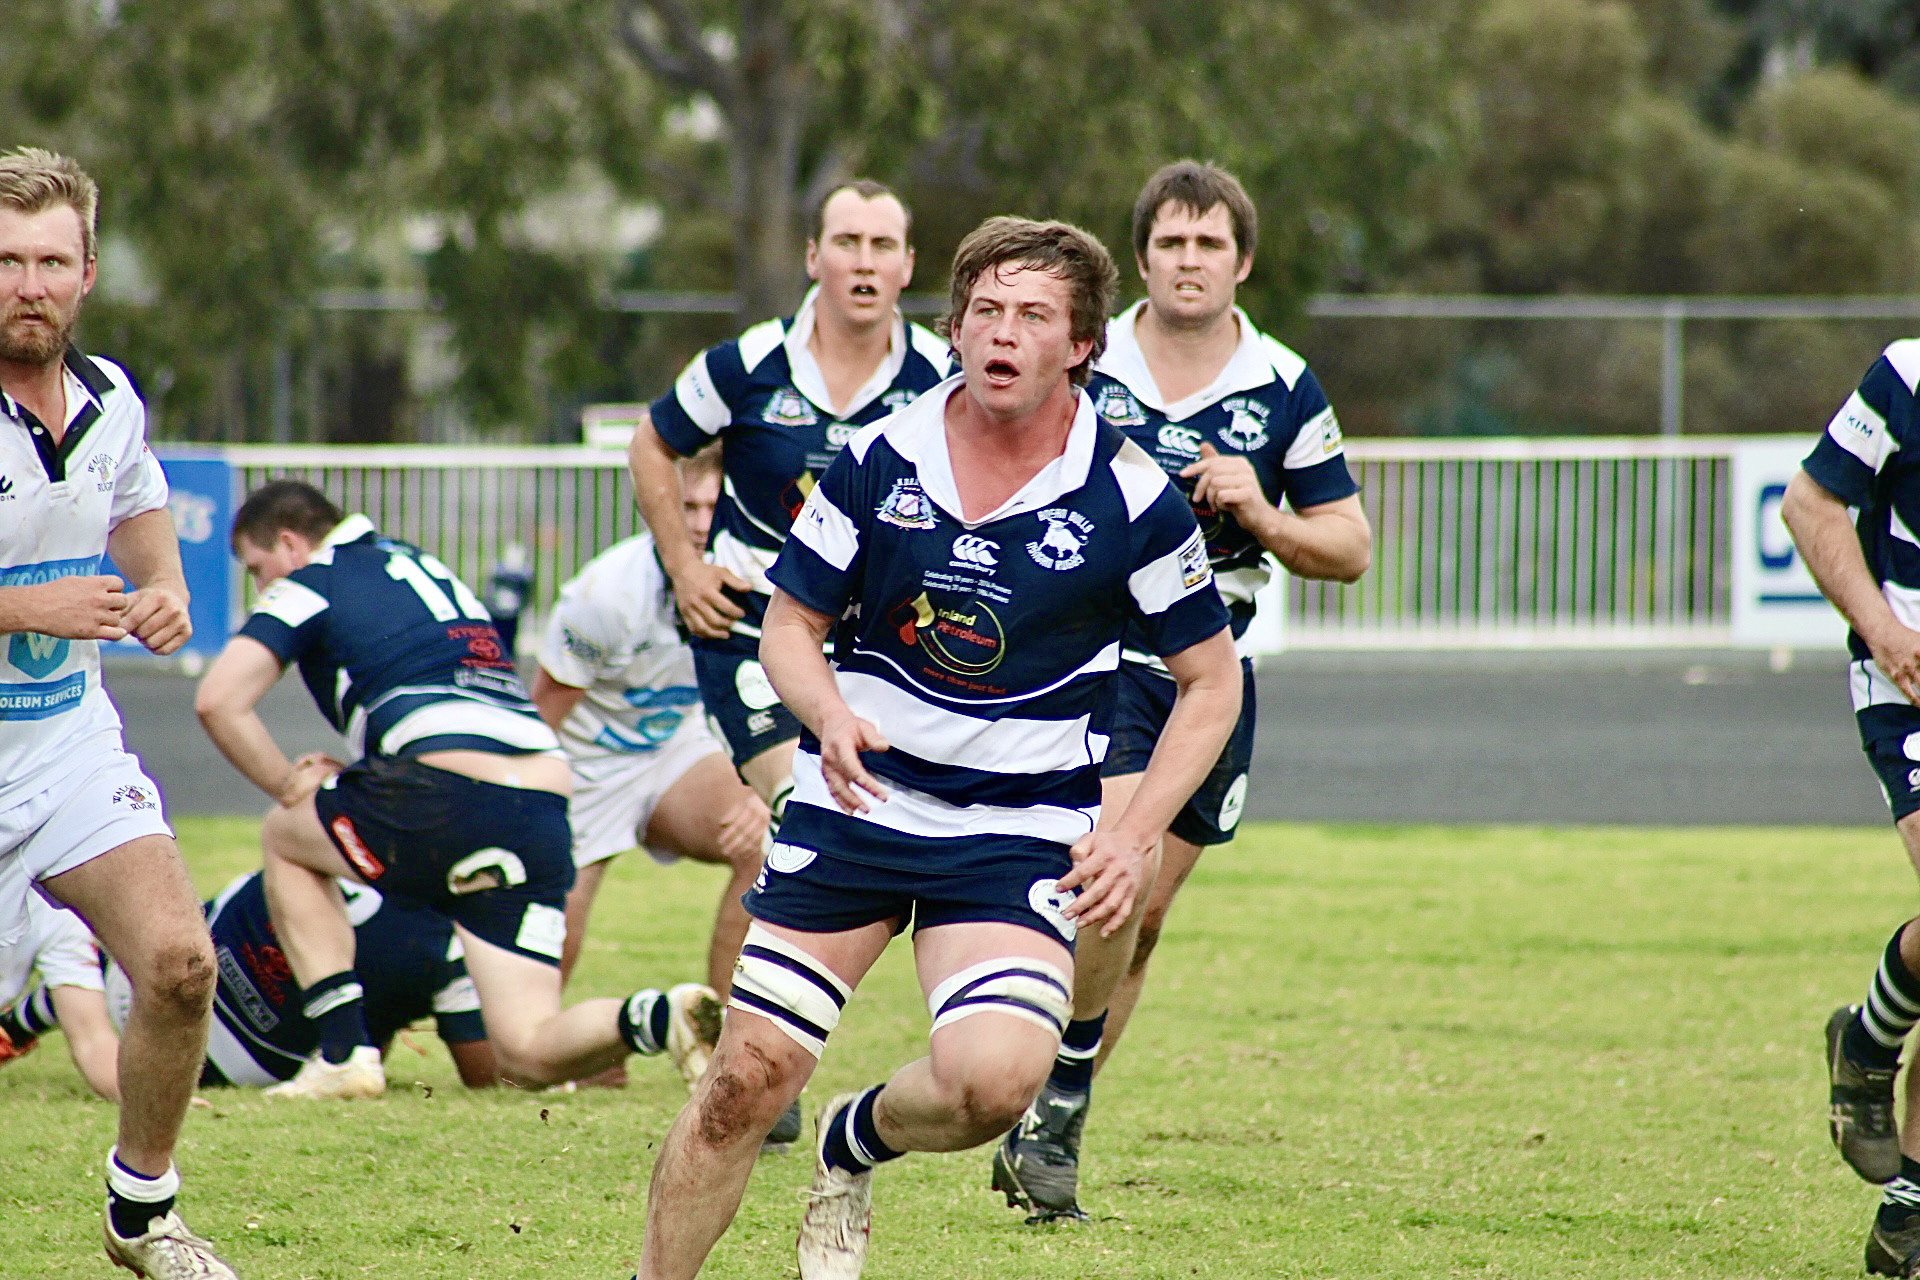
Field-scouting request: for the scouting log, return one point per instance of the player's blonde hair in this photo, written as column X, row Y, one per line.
column 708, row 459
column 33, row 180
column 1057, row 248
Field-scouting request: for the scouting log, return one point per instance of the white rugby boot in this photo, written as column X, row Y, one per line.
column 168, row 1251
column 693, row 1028
column 839, row 1217
column 360, row 1076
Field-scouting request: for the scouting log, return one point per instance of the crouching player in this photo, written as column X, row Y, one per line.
column 977, row 557
column 408, row 962
column 50, row 978
column 458, row 804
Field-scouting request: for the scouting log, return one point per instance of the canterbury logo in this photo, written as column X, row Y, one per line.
column 6, row 486
column 968, row 549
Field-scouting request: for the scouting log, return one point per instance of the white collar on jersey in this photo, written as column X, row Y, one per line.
column 1250, row 366
column 805, row 370
column 351, row 529
column 918, row 433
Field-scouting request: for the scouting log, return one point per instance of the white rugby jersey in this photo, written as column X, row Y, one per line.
column 57, row 945
column 614, row 632
column 57, row 505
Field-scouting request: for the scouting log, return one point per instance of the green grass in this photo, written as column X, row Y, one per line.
column 1366, row 1051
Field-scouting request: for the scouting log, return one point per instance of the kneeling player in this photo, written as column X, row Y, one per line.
column 458, row 804
column 616, row 683
column 68, row 995
column 977, row 557
column 406, row 957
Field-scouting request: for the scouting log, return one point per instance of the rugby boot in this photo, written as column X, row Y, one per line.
column 168, row 1251
column 693, row 1028
column 839, row 1217
column 786, row 1130
column 1037, row 1165
column 360, row 1076
column 1860, row 1111
column 1895, row 1251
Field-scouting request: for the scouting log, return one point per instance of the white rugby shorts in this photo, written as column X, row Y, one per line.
column 610, row 811
column 90, row 810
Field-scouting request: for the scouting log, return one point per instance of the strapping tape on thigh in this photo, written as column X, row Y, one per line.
column 1023, row 988
column 779, row 981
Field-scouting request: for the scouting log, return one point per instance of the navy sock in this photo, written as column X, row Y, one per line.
column 134, row 1199
column 1079, row 1046
column 31, row 1018
column 853, row 1142
column 336, row 1005
column 643, row 1021
column 1874, row 1038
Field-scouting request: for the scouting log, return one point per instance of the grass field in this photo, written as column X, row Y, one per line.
column 1366, row 1051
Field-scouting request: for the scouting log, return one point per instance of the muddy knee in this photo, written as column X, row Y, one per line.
column 179, row 978
column 743, row 1095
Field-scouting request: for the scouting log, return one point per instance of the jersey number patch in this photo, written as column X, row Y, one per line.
column 421, row 575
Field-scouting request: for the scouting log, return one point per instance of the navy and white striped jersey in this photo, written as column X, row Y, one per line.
column 1266, row 404
column 398, row 653
column 406, row 958
column 1869, row 458
column 764, row 394
column 985, row 650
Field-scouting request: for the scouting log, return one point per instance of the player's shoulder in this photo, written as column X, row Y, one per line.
column 930, row 347
column 1289, row 366
column 1903, row 357
column 99, row 374
column 1140, row 479
column 760, row 341
column 619, row 581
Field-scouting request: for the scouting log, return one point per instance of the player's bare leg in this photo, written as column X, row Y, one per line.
column 1859, row 1128
column 1177, row 860
column 143, row 908
column 684, row 823
column 580, row 899
column 757, row 1073
column 297, row 873
column 770, row 774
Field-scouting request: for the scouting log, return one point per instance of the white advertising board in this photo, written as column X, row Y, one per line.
column 1775, row 601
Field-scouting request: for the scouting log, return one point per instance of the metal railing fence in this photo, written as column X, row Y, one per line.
column 1522, row 542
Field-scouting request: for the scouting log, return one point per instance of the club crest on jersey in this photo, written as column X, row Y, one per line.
column 1063, row 545
column 102, row 468
column 1330, row 437
column 788, row 408
column 1117, row 405
column 1246, row 427
column 907, row 506
column 1193, row 561
column 136, row 798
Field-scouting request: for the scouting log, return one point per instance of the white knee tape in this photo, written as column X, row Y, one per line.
column 1022, row 988
column 779, row 981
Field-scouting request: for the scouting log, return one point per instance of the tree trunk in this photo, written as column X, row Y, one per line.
column 765, row 120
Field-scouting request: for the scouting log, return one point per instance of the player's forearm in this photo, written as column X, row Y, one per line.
column 146, row 549
column 1333, row 542
column 24, row 609
column 553, row 700
column 90, row 1038
column 790, row 650
column 657, row 492
column 1825, row 536
column 1205, row 707
column 244, row 740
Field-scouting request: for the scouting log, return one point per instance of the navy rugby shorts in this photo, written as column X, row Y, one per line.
column 742, row 707
column 1143, row 700
column 1886, row 729
column 1003, row 878
column 495, row 859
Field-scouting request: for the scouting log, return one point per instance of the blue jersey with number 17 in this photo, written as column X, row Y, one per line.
column 398, row 653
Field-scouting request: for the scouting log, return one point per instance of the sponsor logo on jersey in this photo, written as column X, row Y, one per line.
column 1330, row 434
column 1063, row 545
column 907, row 506
column 38, row 655
column 1117, row 405
column 355, row 848
column 581, row 647
column 1184, row 441
column 1246, row 427
column 6, row 489
column 897, row 399
column 838, row 433
column 139, row 799
column 963, row 640
column 788, row 408
column 543, row 930
column 970, row 551
column 1193, row 561
column 1234, row 801
column 1050, row 905
column 760, row 722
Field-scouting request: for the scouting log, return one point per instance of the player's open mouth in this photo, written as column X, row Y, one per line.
column 1000, row 371
column 1189, row 286
column 865, row 291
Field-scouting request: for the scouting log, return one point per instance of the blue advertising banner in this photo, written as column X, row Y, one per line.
column 201, row 498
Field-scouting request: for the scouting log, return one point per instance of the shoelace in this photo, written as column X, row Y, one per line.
column 187, row 1254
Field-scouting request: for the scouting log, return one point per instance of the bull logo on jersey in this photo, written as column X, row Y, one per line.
column 907, row 506
column 788, row 408
column 1117, row 405
column 963, row 640
column 1063, row 545
column 1246, row 428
